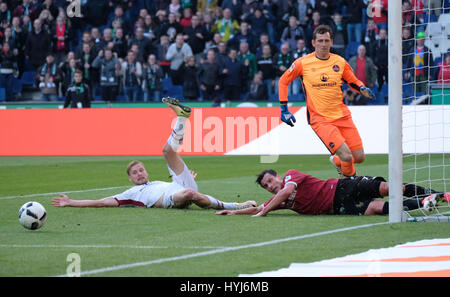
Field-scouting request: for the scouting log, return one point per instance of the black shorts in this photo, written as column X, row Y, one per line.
column 354, row 194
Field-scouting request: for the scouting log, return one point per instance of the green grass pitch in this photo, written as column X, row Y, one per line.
column 172, row 242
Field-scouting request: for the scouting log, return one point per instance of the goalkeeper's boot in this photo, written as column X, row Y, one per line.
column 338, row 169
column 180, row 109
column 246, row 204
column 429, row 202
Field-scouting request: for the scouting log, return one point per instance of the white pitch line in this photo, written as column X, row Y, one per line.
column 221, row 250
column 65, row 192
column 103, row 246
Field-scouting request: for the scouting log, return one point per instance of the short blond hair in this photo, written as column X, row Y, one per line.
column 131, row 164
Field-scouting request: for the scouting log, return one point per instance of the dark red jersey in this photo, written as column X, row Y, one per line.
column 312, row 196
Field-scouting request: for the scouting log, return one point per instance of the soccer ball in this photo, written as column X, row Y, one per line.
column 32, row 215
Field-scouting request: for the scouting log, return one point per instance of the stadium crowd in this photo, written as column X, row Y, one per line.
column 135, row 50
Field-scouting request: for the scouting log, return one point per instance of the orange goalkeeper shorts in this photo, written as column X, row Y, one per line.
column 334, row 133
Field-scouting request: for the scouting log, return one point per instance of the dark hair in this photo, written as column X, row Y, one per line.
column 261, row 175
column 322, row 29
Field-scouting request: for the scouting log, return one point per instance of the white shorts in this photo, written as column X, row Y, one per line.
column 184, row 179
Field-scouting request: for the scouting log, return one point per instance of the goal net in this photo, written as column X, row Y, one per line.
column 425, row 106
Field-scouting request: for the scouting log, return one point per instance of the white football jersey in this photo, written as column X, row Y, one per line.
column 147, row 194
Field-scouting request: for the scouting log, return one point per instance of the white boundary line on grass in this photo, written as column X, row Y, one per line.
column 221, row 250
column 105, row 246
column 62, row 192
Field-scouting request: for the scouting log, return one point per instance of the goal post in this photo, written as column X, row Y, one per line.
column 419, row 110
column 395, row 111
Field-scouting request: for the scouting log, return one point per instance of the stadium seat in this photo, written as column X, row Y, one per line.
column 297, row 97
column 2, row 94
column 28, row 78
column 17, row 87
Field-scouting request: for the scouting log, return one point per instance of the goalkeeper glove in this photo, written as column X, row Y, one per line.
column 287, row 116
column 366, row 92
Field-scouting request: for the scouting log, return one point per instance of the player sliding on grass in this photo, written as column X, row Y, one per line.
column 306, row 194
column 322, row 74
column 180, row 193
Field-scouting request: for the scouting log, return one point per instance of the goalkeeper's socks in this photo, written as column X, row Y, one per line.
column 176, row 138
column 348, row 169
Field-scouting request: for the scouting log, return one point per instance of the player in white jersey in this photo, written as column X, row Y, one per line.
column 179, row 193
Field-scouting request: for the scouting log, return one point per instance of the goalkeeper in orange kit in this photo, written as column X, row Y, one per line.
column 322, row 74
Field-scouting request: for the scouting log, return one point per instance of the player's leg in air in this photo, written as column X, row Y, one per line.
column 180, row 172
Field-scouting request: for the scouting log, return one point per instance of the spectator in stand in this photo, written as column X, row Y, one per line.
column 292, row 33
column 305, row 10
column 187, row 16
column 267, row 67
column 7, row 37
column 370, row 37
column 175, row 7
column 209, row 75
column 171, row 27
column 47, row 21
column 364, row 67
column 61, row 41
column 161, row 51
column 226, row 26
column 300, row 51
column 213, row 44
column 263, row 40
column 380, row 14
column 421, row 62
column 20, row 38
column 325, row 7
column 78, row 94
column 119, row 17
column 282, row 61
column 195, row 35
column 176, row 54
column 144, row 44
column 26, row 9
column 245, row 35
column 48, row 76
column 150, row 28
column 340, row 35
column 85, row 58
column 234, row 72
column 444, row 70
column 106, row 41
column 259, row 21
column 37, row 46
column 131, row 72
column 120, row 44
column 245, row 55
column 50, row 7
column 68, row 68
column 8, row 69
column 5, row 15
column 381, row 58
column 354, row 98
column 109, row 68
column 258, row 90
column 206, row 5
column 316, row 20
column 152, row 76
column 191, row 82
column 233, row 5
column 354, row 22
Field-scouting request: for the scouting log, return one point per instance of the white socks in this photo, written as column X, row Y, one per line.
column 176, row 138
column 217, row 204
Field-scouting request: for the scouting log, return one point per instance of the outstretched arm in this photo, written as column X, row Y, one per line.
column 64, row 200
column 281, row 196
column 245, row 211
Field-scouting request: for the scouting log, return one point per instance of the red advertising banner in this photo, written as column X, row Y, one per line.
column 129, row 131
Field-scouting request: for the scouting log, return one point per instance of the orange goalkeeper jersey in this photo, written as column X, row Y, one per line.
column 322, row 81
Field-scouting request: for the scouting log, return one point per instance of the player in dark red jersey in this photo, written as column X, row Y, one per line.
column 306, row 194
